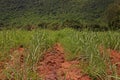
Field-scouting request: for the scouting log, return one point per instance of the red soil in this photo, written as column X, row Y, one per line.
column 114, row 59
column 17, row 55
column 1, row 68
column 55, row 67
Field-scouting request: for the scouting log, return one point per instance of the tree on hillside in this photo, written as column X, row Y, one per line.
column 112, row 15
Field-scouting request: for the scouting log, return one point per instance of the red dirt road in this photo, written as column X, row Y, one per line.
column 55, row 67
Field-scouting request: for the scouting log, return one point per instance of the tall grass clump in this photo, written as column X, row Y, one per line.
column 11, row 39
column 85, row 45
column 79, row 45
column 34, row 43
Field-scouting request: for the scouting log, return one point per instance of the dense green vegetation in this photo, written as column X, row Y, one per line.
column 60, row 13
column 77, row 44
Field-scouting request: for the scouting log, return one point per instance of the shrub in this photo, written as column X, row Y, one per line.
column 30, row 27
column 73, row 24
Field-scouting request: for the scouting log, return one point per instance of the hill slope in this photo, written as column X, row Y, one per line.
column 35, row 11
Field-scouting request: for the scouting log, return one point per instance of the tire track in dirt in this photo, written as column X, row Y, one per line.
column 54, row 66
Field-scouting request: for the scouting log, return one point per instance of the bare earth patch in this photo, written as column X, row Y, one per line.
column 55, row 67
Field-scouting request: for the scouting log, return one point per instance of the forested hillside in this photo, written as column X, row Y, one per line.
column 52, row 12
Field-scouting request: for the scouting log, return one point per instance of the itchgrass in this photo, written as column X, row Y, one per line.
column 84, row 44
